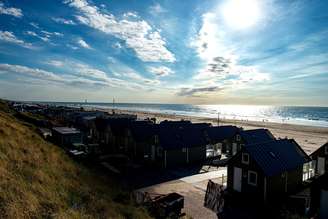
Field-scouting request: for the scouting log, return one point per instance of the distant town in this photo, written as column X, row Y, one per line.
column 257, row 174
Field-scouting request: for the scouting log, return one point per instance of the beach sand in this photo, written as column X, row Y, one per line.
column 308, row 137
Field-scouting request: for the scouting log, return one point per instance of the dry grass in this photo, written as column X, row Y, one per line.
column 37, row 180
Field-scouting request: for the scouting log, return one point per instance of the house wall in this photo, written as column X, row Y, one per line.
column 175, row 157
column 257, row 191
column 320, row 153
column 68, row 139
column 197, row 154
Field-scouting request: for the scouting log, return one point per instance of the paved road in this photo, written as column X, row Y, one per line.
column 193, row 189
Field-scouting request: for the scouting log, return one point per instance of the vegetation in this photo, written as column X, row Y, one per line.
column 38, row 180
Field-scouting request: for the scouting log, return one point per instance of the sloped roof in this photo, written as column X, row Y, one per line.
column 319, row 150
column 143, row 130
column 66, row 130
column 186, row 135
column 220, row 133
column 254, row 136
column 277, row 156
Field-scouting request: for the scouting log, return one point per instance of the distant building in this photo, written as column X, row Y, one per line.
column 320, row 160
column 267, row 170
column 65, row 136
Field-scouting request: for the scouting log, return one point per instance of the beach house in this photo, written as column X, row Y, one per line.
column 320, row 159
column 66, row 136
column 245, row 137
column 268, row 170
column 319, row 197
column 111, row 133
column 219, row 138
column 142, row 138
column 181, row 144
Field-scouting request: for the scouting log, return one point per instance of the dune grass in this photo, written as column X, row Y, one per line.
column 38, row 180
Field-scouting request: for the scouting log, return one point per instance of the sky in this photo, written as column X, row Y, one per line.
column 263, row 52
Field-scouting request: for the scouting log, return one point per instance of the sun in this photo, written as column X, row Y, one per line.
column 241, row 14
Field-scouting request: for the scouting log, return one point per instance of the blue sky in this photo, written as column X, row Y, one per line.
column 202, row 52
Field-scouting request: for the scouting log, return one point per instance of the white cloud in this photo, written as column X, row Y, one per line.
column 9, row 37
column 63, row 21
column 157, row 9
column 220, row 62
column 34, row 72
column 83, row 44
column 148, row 45
column 16, row 12
column 198, row 91
column 55, row 63
column 43, row 38
column 161, row 71
column 35, row 25
column 130, row 14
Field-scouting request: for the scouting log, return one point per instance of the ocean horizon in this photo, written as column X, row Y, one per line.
column 298, row 115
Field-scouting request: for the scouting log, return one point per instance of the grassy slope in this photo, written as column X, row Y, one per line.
column 37, row 180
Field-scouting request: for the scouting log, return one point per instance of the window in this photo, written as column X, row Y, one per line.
column 252, row 178
column 159, row 151
column 245, row 158
column 184, row 150
column 238, row 137
column 156, row 139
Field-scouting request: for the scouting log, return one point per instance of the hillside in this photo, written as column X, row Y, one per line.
column 38, row 180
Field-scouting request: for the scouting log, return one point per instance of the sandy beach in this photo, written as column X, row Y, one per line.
column 309, row 137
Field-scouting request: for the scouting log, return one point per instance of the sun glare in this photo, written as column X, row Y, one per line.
column 241, row 14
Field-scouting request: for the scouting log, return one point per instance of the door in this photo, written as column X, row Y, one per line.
column 153, row 151
column 234, row 148
column 237, row 179
column 323, row 204
column 321, row 165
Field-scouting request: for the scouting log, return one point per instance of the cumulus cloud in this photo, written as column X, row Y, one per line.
column 16, row 12
column 9, row 37
column 63, row 21
column 198, row 91
column 83, row 44
column 160, row 71
column 138, row 35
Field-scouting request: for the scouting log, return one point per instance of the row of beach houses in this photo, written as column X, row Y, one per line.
column 258, row 164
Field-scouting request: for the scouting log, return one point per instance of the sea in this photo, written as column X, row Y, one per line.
column 300, row 115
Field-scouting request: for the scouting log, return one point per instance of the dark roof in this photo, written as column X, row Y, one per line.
column 66, row 130
column 277, row 156
column 319, row 150
column 117, row 125
column 175, row 123
column 186, row 135
column 254, row 136
column 143, row 130
column 220, row 133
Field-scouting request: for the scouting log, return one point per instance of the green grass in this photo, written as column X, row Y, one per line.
column 38, row 180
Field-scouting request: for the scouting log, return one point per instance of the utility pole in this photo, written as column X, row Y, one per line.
column 113, row 106
column 218, row 118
